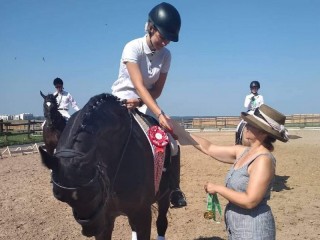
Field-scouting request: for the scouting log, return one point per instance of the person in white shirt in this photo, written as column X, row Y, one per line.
column 254, row 99
column 64, row 99
column 251, row 102
column 144, row 67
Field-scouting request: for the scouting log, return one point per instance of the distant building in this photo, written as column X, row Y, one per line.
column 21, row 116
column 6, row 117
column 25, row 116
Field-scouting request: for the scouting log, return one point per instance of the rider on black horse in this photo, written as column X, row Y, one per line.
column 144, row 66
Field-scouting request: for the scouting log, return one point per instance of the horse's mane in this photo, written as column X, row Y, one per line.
column 92, row 117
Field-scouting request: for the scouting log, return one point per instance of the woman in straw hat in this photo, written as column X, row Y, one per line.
column 249, row 181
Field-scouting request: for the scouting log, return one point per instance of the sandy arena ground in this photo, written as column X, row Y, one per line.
column 30, row 212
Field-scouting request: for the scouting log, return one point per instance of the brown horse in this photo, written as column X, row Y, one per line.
column 104, row 167
column 54, row 122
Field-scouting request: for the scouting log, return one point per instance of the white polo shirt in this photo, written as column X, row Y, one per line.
column 151, row 64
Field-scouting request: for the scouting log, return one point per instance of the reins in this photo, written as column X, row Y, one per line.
column 100, row 174
column 123, row 152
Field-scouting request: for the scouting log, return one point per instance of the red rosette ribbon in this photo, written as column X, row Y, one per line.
column 159, row 140
column 158, row 137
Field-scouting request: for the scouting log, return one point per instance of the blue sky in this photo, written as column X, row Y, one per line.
column 224, row 45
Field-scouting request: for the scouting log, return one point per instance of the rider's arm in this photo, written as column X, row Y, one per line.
column 247, row 100
column 137, row 80
column 73, row 103
column 156, row 90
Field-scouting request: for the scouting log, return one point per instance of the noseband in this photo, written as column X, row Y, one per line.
column 100, row 178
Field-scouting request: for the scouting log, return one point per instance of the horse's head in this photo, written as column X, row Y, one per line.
column 50, row 107
column 89, row 143
column 81, row 185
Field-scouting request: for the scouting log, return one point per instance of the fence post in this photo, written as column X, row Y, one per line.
column 29, row 132
column 1, row 125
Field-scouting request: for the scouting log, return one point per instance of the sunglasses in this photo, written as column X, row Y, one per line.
column 58, row 86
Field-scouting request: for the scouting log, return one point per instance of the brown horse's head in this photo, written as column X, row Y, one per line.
column 50, row 108
column 54, row 122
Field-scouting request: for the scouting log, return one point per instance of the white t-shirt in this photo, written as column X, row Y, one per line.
column 252, row 103
column 151, row 64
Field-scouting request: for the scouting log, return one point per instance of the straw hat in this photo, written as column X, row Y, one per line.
column 269, row 120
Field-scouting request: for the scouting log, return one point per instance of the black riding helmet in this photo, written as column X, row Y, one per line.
column 255, row 84
column 166, row 19
column 57, row 81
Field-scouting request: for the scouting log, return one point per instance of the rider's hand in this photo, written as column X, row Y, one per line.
column 132, row 103
column 165, row 122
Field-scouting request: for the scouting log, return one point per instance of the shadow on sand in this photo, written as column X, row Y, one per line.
column 280, row 183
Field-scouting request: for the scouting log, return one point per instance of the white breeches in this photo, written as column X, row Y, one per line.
column 65, row 114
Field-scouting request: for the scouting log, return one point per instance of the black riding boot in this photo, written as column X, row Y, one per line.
column 177, row 197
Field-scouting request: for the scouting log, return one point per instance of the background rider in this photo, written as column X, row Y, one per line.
column 64, row 99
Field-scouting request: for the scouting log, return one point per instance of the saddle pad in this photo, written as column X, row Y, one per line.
column 158, row 140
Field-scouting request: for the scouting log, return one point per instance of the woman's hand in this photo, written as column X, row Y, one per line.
column 210, row 188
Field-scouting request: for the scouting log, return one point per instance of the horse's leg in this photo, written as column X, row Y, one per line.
column 162, row 221
column 106, row 234
column 140, row 223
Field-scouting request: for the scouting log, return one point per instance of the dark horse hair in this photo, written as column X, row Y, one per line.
column 103, row 168
column 54, row 122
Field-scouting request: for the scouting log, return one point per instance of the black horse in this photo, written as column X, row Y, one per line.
column 54, row 122
column 103, row 168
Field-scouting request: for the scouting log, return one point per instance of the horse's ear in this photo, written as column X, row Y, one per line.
column 44, row 96
column 48, row 160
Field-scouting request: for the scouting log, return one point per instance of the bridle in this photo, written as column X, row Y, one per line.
column 106, row 186
column 52, row 113
column 100, row 177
